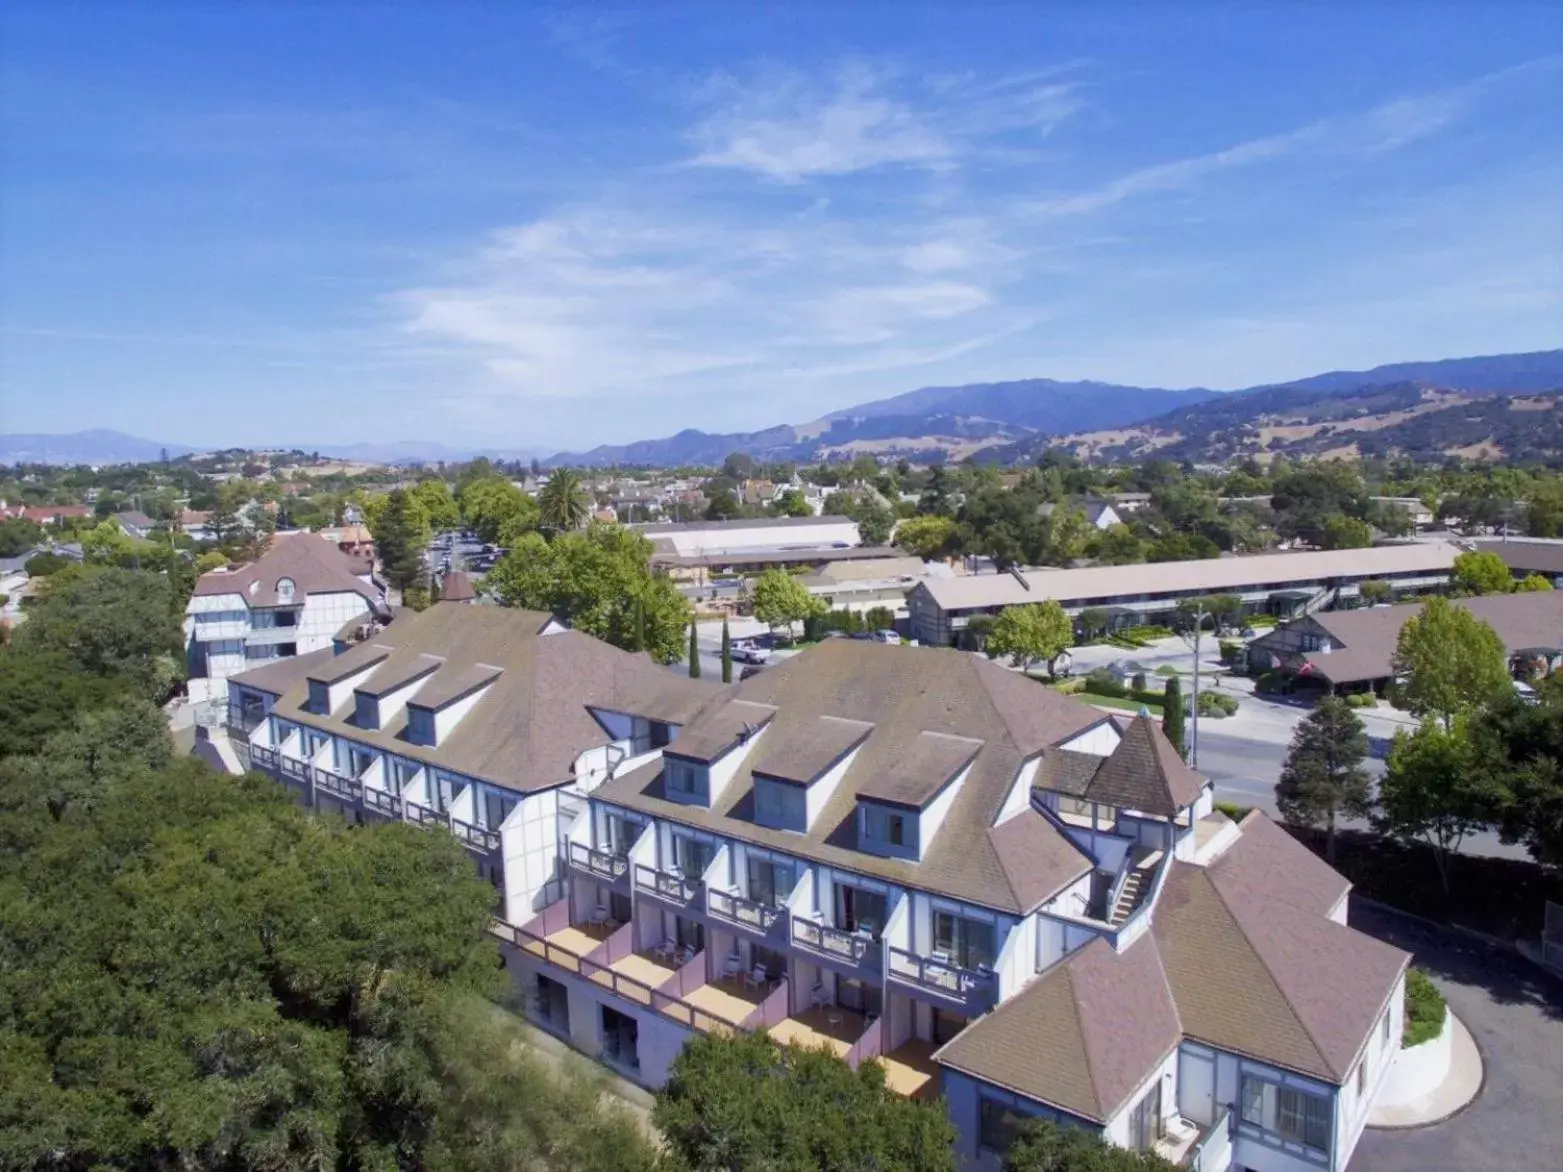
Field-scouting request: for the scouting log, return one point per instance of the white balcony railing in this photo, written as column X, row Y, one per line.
column 973, row 987
column 856, row 948
column 670, row 885
column 599, row 863
column 758, row 917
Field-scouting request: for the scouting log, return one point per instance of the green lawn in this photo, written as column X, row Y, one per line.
column 1117, row 702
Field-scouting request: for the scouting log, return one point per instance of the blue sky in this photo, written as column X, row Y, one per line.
column 554, row 226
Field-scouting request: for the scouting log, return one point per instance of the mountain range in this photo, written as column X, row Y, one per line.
column 1006, row 421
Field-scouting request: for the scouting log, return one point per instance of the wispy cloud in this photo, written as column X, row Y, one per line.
column 789, row 127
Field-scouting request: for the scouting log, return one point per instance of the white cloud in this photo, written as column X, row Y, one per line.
column 786, row 126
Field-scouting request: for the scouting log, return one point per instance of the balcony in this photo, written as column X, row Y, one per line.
column 346, row 788
column 379, row 801
column 423, row 816
column 211, row 632
column 602, row 866
column 851, row 952
column 552, row 937
column 263, row 758
column 969, row 990
column 828, row 1027
column 671, row 887
column 475, row 836
column 292, row 768
column 910, row 1069
column 270, row 636
column 758, row 919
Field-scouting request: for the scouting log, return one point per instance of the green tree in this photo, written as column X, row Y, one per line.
column 722, row 505
column 1341, row 532
column 1043, row 1146
column 74, row 765
column 781, row 600
column 1172, row 715
column 598, row 580
column 41, row 565
column 401, row 534
column 18, row 535
column 1481, row 573
column 1528, row 740
column 439, row 506
column 1116, row 546
column 497, row 511
column 927, row 537
column 1439, row 788
column 694, row 650
column 1532, row 583
column 1035, row 633
column 563, row 503
column 1093, row 621
column 210, row 560
column 110, row 622
column 106, row 544
column 874, row 523
column 792, row 503
column 45, row 692
column 1322, row 778
column 741, row 1101
column 727, row 653
column 1375, row 591
column 1451, row 662
column 224, row 522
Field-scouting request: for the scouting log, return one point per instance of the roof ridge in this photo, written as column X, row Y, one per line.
column 1264, row 963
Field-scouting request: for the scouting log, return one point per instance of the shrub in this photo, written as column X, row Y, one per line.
column 1138, row 683
column 1217, row 704
column 1230, row 649
column 1257, row 621
column 1166, row 671
column 1104, row 683
column 1272, row 683
column 1234, row 811
column 1424, row 1009
column 1362, row 700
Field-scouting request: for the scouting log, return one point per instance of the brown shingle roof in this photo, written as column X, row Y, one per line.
column 804, row 758
column 1083, row 1037
column 1145, row 773
column 1527, row 557
column 721, row 728
column 927, row 763
column 456, row 586
column 314, row 565
column 902, row 692
column 1257, row 976
column 1267, row 858
column 531, row 723
column 279, row 675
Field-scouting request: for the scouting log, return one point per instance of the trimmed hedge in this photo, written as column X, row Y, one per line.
column 1217, row 704
column 1424, row 1010
column 1362, row 700
column 1102, row 683
column 1233, row 811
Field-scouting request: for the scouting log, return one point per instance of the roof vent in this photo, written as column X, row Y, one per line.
column 748, row 731
column 1021, row 578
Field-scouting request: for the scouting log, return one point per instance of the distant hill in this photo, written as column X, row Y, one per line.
column 1012, row 421
column 98, row 446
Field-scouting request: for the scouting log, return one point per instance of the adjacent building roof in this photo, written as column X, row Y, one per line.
column 533, row 719
column 456, row 586
column 927, row 763
column 313, row 565
column 660, row 528
column 1527, row 557
column 1083, row 1037
column 1210, row 575
column 752, row 556
column 1364, row 640
column 1257, row 975
column 902, row 692
column 135, row 519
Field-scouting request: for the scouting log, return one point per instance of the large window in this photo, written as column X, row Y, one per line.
column 496, row 807
column 967, row 943
column 685, row 781
column 1145, row 1123
column 858, row 910
column 770, row 882
column 997, row 1124
column 1288, row 1112
column 779, row 805
column 889, row 830
column 619, row 834
column 691, row 855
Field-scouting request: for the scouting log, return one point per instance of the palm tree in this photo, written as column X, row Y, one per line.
column 563, row 502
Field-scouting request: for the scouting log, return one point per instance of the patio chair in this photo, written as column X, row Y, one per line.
column 820, row 997
column 731, row 967
column 598, row 917
column 667, row 949
column 756, row 977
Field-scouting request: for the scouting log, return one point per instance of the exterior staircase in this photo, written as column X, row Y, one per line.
column 1129, row 897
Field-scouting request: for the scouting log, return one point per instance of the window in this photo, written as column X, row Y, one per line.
column 359, row 761
column 1145, row 1124
column 770, row 882
column 402, row 773
column 1286, row 1111
column 286, row 618
column 1362, row 1077
column 619, row 834
column 779, row 805
column 1383, row 1031
column 884, row 827
column 420, row 726
column 319, row 698
column 284, row 589
column 685, row 780
column 967, row 943
column 859, row 911
column 691, row 856
column 497, row 807
column 997, row 1124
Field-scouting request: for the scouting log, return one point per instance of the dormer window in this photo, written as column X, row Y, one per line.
column 284, row 589
column 685, row 781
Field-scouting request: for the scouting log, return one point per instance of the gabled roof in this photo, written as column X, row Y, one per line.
column 805, row 758
column 928, row 762
column 1082, row 1037
column 533, row 717
column 1144, row 772
column 456, row 586
column 314, row 566
column 1258, row 976
column 1269, row 859
column 902, row 692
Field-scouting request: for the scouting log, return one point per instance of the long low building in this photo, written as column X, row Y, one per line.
column 1273, row 583
column 909, row 856
column 1356, row 649
column 1525, row 558
column 696, row 551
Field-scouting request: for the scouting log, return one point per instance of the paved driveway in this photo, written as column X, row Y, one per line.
column 1515, row 1012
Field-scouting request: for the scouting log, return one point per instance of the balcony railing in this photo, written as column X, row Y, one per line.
column 293, row 767
column 334, row 783
column 858, row 949
column 971, row 987
column 599, row 863
column 382, row 802
column 746, row 913
column 1212, row 1151
column 486, row 840
column 669, row 885
column 263, row 758
column 424, row 816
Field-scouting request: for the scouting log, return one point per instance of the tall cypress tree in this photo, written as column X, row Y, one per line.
column 1323, row 777
column 1172, row 715
column 727, row 654
column 694, row 652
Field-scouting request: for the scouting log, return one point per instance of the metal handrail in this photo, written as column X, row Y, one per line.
column 383, row 802
column 729, row 905
column 1220, row 1127
column 598, row 862
column 944, row 976
column 475, row 835
column 263, row 757
column 853, row 946
column 667, row 884
column 343, row 787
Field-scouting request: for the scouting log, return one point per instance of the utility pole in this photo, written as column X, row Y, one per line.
column 1197, row 612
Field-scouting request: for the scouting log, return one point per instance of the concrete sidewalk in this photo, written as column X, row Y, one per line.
column 1458, row 1090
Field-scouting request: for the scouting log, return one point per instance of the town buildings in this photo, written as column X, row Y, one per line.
column 289, row 602
column 908, row 855
column 695, row 552
column 1274, row 583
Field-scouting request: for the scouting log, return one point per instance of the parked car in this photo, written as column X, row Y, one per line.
column 748, row 653
column 885, row 635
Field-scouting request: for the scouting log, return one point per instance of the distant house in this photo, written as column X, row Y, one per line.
column 196, row 524
column 289, row 602
column 45, row 514
column 1422, row 517
column 137, row 525
column 1525, row 558
column 456, row 586
column 353, row 540
column 693, row 551
column 1099, row 514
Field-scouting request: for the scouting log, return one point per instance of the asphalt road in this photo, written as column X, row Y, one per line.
column 1514, row 1010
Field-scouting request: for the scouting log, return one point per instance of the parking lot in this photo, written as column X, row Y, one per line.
column 1514, row 1010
